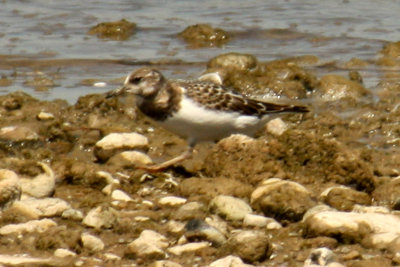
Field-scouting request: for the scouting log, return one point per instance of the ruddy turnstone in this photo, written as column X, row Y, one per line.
column 197, row 110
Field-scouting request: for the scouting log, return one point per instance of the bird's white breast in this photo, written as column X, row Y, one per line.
column 198, row 123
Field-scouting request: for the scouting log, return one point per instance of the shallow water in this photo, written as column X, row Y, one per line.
column 32, row 31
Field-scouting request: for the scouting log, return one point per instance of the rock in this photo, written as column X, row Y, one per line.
column 320, row 257
column 164, row 263
column 72, row 214
column 198, row 230
column 283, row 200
column 344, row 198
column 23, row 260
column 250, row 246
column 175, row 227
column 130, row 159
column 149, row 244
column 120, row 196
column 236, row 61
column 391, row 50
column 100, row 218
column 43, row 185
column 172, row 201
column 388, row 193
column 10, row 189
column 276, row 126
column 18, row 134
column 372, row 229
column 63, row 253
column 335, row 87
column 190, row 210
column 229, row 207
column 92, row 242
column 188, row 248
column 115, row 30
column 38, row 208
column 203, row 35
column 38, row 226
column 230, row 261
column 261, row 221
column 45, row 116
column 112, row 257
column 116, row 142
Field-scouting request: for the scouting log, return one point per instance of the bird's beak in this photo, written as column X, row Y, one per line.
column 116, row 92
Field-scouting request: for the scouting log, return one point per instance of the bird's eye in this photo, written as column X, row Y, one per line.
column 135, row 80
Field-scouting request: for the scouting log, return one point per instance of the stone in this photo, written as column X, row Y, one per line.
column 64, row 253
column 111, row 257
column 100, row 218
column 172, row 201
column 375, row 230
column 235, row 61
column 22, row 260
column 187, row 248
column 114, row 142
column 165, row 263
column 190, row 210
column 10, row 189
column 92, row 242
column 282, row 200
column 229, row 261
column 203, row 35
column 344, row 198
column 120, row 195
column 250, row 246
column 198, row 230
column 18, row 134
column 38, row 226
column 335, row 87
column 261, row 221
column 44, row 207
column 149, row 244
column 175, row 227
column 320, row 257
column 72, row 214
column 229, row 207
column 129, row 159
column 276, row 127
column 45, row 116
column 43, row 185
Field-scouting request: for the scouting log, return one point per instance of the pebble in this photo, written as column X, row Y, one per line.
column 344, row 198
column 18, row 134
column 282, row 199
column 276, row 127
column 130, row 158
column 45, row 116
column 63, row 253
column 10, row 189
column 189, row 247
column 229, row 207
column 320, row 257
column 188, row 211
column 149, row 244
column 92, row 242
column 44, row 207
column 230, row 261
column 374, row 229
column 120, row 195
column 111, row 257
column 38, row 226
column 100, row 218
column 261, row 221
column 249, row 245
column 72, row 214
column 165, row 263
column 17, row 260
column 172, row 201
column 175, row 227
column 198, row 230
column 43, row 185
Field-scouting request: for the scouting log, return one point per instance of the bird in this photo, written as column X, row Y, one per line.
column 197, row 110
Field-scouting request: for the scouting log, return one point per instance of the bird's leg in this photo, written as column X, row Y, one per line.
column 166, row 164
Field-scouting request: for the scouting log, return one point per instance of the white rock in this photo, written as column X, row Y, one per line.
column 18, row 260
column 261, row 221
column 149, row 244
column 38, row 226
column 190, row 247
column 45, row 116
column 63, row 253
column 175, row 227
column 130, row 158
column 107, row 176
column 230, row 261
column 10, row 189
column 92, row 242
column 43, row 185
column 112, row 257
column 122, row 140
column 320, row 257
column 165, row 263
column 276, row 126
column 100, row 218
column 44, row 207
column 229, row 207
column 172, row 201
column 72, row 214
column 120, row 196
column 18, row 133
column 383, row 228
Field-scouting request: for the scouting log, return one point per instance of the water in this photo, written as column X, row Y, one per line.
column 33, row 33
